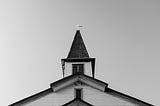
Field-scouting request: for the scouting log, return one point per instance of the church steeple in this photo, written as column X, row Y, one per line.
column 78, row 60
column 78, row 49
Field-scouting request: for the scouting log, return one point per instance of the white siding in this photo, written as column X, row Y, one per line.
column 54, row 99
column 68, row 68
column 100, row 98
column 90, row 95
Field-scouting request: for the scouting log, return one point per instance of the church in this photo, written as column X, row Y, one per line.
column 79, row 87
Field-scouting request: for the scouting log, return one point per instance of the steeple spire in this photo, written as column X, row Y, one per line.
column 78, row 60
column 78, row 49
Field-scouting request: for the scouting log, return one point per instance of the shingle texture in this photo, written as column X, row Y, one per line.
column 78, row 49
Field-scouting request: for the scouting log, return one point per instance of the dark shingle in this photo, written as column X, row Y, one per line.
column 78, row 49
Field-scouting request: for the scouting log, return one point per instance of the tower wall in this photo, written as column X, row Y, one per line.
column 68, row 68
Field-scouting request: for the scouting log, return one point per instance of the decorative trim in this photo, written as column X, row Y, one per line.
column 80, row 78
column 78, row 59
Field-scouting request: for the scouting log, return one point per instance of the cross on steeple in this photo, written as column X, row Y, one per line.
column 78, row 60
column 79, row 26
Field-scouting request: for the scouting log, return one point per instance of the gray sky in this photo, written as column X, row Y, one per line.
column 123, row 36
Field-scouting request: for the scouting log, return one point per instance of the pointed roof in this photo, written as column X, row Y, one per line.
column 78, row 49
column 95, row 83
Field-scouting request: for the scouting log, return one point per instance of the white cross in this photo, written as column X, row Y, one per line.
column 79, row 26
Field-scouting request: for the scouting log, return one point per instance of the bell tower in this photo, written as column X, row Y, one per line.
column 78, row 60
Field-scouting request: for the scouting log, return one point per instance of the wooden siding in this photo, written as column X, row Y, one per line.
column 90, row 95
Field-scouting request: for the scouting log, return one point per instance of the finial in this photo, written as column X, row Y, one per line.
column 79, row 26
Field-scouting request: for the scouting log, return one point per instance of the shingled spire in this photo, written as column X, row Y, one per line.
column 78, row 49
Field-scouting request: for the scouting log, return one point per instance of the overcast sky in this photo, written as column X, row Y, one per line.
column 123, row 36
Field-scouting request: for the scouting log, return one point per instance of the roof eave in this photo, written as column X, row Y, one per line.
column 132, row 99
column 79, row 78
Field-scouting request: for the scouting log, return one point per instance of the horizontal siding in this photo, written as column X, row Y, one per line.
column 100, row 98
column 54, row 99
column 90, row 95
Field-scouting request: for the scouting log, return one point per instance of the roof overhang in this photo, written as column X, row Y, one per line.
column 78, row 78
column 127, row 97
column 60, row 84
column 78, row 59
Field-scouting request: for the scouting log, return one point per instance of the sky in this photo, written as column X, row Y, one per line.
column 123, row 36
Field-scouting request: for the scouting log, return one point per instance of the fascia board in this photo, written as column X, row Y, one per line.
column 64, row 84
column 92, row 83
column 79, row 78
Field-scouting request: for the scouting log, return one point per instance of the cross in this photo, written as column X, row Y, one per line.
column 79, row 26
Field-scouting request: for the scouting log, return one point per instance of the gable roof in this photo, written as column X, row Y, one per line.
column 95, row 83
column 33, row 97
column 125, row 96
column 78, row 48
column 77, row 102
column 55, row 86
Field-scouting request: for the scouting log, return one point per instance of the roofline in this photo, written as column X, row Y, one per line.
column 33, row 97
column 80, row 78
column 78, row 59
column 75, row 75
column 61, row 80
column 96, row 79
column 76, row 100
column 109, row 90
column 50, row 90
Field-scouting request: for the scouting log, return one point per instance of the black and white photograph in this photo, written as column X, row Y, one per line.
column 79, row 52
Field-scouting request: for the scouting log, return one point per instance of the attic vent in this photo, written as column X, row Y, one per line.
column 78, row 93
